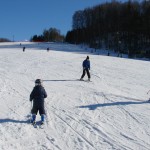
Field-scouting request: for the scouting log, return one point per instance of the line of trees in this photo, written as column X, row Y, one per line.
column 123, row 27
column 4, row 40
column 50, row 35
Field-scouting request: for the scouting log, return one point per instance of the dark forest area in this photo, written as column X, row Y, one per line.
column 121, row 27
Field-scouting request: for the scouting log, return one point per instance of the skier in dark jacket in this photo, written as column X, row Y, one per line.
column 86, row 68
column 37, row 95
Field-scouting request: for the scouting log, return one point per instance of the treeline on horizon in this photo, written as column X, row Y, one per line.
column 122, row 27
column 4, row 40
column 49, row 35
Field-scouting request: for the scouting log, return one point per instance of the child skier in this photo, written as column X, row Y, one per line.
column 37, row 95
column 24, row 49
column 86, row 68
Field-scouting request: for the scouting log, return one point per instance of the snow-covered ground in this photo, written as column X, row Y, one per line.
column 109, row 113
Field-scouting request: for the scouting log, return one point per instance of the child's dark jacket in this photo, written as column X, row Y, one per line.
column 37, row 95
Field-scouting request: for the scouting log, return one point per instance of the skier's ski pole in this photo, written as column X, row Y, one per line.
column 148, row 91
column 78, row 73
column 31, row 111
column 95, row 75
column 31, row 107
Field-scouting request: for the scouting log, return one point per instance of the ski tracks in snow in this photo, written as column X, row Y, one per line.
column 80, row 116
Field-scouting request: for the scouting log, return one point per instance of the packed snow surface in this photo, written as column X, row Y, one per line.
column 110, row 113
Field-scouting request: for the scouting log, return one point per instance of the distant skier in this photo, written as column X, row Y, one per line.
column 48, row 49
column 86, row 68
column 24, row 48
column 37, row 95
column 147, row 93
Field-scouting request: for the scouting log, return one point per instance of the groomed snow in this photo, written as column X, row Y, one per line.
column 109, row 113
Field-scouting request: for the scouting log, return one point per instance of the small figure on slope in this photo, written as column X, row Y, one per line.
column 48, row 49
column 37, row 95
column 86, row 68
column 147, row 93
column 24, row 49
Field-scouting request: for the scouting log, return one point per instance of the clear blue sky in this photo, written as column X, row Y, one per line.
column 21, row 19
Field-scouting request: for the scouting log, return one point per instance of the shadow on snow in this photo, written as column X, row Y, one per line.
column 13, row 121
column 58, row 80
column 95, row 106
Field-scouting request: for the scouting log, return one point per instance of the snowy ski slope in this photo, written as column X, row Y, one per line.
column 109, row 113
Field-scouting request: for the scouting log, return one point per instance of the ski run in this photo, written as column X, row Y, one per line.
column 110, row 113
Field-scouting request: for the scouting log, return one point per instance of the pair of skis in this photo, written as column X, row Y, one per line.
column 84, row 80
column 40, row 125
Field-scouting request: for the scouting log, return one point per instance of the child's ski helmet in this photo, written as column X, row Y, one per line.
column 38, row 81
